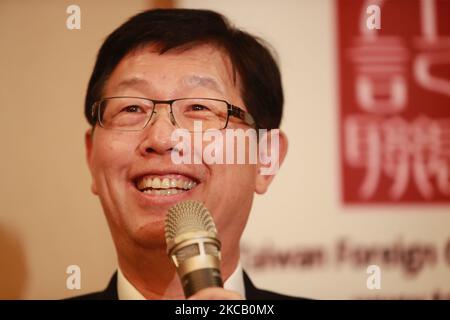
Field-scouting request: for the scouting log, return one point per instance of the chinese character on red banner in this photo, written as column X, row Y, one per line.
column 394, row 85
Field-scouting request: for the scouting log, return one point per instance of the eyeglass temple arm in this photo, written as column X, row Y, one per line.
column 241, row 114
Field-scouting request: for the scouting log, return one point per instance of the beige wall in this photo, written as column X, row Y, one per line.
column 49, row 219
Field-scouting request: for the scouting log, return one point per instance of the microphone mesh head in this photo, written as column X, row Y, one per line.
column 188, row 216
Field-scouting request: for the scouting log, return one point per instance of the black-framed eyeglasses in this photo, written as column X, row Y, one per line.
column 134, row 113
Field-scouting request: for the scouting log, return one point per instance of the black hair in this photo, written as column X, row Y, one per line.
column 168, row 29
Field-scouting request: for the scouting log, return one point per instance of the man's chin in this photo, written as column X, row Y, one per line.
column 150, row 235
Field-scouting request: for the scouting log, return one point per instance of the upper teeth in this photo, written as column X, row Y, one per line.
column 165, row 183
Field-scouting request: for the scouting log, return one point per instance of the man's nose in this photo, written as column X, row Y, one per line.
column 158, row 132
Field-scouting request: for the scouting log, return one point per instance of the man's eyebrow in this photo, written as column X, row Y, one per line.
column 203, row 81
column 133, row 82
column 191, row 81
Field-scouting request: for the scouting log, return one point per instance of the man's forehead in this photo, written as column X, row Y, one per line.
column 189, row 81
column 202, row 81
column 210, row 75
column 208, row 52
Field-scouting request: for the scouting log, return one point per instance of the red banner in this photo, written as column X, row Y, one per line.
column 394, row 86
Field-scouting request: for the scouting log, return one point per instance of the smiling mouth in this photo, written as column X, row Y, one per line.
column 164, row 185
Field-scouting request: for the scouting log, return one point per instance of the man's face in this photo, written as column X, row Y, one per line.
column 119, row 161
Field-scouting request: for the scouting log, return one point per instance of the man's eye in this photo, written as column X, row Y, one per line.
column 198, row 107
column 132, row 109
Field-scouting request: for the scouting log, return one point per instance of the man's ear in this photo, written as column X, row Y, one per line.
column 88, row 143
column 273, row 146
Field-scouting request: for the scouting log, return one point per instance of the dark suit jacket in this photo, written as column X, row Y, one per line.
column 251, row 292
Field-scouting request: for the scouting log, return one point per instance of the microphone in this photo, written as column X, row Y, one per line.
column 192, row 243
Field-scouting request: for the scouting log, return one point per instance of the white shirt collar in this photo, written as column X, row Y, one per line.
column 126, row 291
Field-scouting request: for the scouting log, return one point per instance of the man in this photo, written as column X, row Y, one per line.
column 151, row 75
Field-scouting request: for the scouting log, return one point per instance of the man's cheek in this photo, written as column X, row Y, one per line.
column 97, row 178
column 94, row 188
column 95, row 168
column 101, row 165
